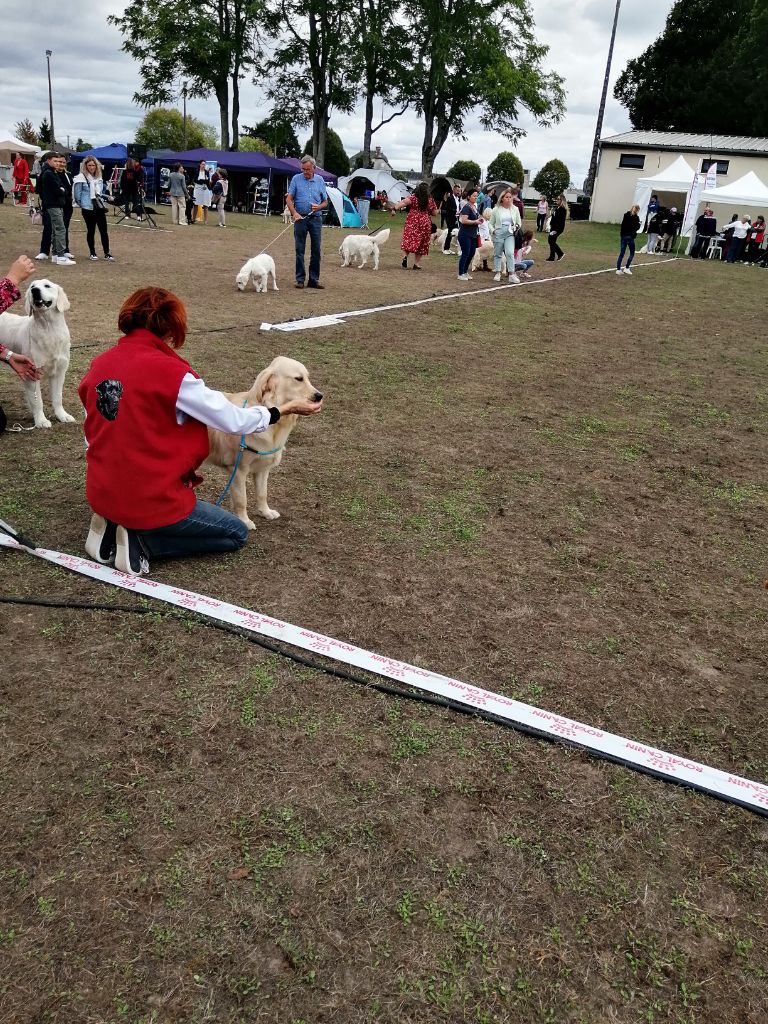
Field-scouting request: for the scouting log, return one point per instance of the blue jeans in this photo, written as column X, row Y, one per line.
column 208, row 529
column 524, row 265
column 313, row 226
column 504, row 242
column 627, row 242
column 467, row 244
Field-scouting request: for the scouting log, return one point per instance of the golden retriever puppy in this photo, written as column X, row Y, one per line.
column 282, row 381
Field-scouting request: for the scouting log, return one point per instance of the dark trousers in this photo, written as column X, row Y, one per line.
column 450, row 223
column 627, row 242
column 735, row 249
column 313, row 227
column 45, row 241
column 700, row 247
column 467, row 244
column 555, row 252
column 96, row 219
column 131, row 202
column 540, row 221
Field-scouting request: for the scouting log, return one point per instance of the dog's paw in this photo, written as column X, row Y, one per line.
column 43, row 422
column 64, row 417
column 269, row 513
column 249, row 523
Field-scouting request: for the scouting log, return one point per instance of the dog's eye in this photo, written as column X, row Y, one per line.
column 299, row 378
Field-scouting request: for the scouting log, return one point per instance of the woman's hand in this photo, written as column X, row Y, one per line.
column 300, row 407
column 24, row 366
column 20, row 270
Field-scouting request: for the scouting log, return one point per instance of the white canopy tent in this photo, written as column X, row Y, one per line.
column 381, row 180
column 678, row 177
column 10, row 144
column 746, row 191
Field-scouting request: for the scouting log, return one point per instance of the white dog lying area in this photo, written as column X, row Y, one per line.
column 258, row 270
column 42, row 335
column 362, row 248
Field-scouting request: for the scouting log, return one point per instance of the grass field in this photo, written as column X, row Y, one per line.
column 557, row 492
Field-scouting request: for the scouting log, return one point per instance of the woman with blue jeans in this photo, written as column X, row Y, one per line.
column 469, row 218
column 630, row 225
column 504, row 222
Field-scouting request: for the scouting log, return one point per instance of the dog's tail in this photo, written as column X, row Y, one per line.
column 381, row 236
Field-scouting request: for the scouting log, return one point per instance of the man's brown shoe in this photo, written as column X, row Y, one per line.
column 299, row 284
column 315, row 284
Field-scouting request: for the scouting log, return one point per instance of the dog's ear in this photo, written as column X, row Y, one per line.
column 264, row 386
column 28, row 301
column 62, row 302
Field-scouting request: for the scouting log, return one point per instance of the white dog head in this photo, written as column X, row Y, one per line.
column 43, row 295
column 242, row 278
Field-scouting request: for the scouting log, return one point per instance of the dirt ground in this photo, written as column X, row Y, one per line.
column 557, row 492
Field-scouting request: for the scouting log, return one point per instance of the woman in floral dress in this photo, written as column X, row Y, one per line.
column 417, row 232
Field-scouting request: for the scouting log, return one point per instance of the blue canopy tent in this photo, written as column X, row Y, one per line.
column 111, row 156
column 257, row 182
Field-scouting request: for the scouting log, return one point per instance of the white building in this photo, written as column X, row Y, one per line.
column 632, row 155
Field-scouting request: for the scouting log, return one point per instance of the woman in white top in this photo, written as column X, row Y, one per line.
column 542, row 209
column 202, row 191
column 504, row 222
column 738, row 238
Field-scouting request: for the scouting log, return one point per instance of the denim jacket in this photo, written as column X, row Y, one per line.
column 82, row 191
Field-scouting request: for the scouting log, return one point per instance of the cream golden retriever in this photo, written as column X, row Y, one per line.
column 282, row 381
column 363, row 248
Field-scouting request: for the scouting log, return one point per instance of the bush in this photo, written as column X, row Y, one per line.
column 251, row 144
column 465, row 170
column 552, row 180
column 506, row 167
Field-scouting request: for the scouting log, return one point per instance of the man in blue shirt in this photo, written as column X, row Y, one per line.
column 307, row 197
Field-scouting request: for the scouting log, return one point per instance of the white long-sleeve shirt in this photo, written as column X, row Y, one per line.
column 211, row 407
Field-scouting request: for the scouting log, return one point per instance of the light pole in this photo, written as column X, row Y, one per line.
column 184, row 94
column 589, row 184
column 48, row 55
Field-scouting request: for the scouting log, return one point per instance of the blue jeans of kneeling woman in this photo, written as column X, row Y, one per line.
column 313, row 226
column 627, row 242
column 207, row 529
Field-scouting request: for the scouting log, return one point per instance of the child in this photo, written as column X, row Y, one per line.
column 521, row 262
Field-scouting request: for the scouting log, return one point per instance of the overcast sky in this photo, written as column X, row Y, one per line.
column 93, row 82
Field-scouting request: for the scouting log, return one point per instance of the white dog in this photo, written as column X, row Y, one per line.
column 258, row 269
column 287, row 216
column 438, row 240
column 42, row 335
column 363, row 247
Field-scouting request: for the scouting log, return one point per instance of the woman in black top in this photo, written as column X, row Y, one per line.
column 630, row 225
column 556, row 228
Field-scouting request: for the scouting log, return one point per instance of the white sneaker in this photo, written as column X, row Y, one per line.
column 627, row 271
column 619, row 272
column 63, row 261
column 514, row 279
column 463, row 277
column 69, row 255
column 41, row 256
column 446, row 252
column 497, row 277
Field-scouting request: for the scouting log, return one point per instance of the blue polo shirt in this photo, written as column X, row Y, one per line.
column 305, row 191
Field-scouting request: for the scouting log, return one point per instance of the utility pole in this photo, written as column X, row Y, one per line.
column 184, row 94
column 589, row 184
column 48, row 55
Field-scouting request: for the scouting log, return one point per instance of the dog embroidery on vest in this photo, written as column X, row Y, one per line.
column 110, row 392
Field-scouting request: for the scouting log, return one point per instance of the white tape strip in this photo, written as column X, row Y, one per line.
column 752, row 795
column 333, row 319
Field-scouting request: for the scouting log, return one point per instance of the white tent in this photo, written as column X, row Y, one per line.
column 9, row 144
column 381, row 180
column 678, row 177
column 747, row 191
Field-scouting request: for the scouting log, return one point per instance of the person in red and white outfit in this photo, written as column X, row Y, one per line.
column 25, row 367
column 146, row 419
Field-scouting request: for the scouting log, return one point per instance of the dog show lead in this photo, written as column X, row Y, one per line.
column 146, row 419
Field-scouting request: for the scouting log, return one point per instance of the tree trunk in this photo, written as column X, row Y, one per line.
column 235, row 108
column 368, row 133
column 221, row 89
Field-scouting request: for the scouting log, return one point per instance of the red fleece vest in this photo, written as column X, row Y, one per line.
column 140, row 462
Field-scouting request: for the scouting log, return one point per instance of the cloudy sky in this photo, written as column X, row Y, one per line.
column 93, row 81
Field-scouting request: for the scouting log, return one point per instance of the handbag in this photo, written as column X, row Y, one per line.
column 518, row 238
column 98, row 203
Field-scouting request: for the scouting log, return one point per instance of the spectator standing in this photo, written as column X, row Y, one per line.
column 668, row 229
column 542, row 209
column 654, row 231
column 417, row 232
column 220, row 190
column 177, row 187
column 653, row 208
column 630, row 225
column 450, row 211
column 504, row 224
column 88, row 193
column 52, row 189
column 469, row 218
column 21, row 179
column 706, row 229
column 556, row 228
column 307, row 198
column 739, row 231
column 755, row 240
column 202, row 191
column 517, row 202
column 131, row 185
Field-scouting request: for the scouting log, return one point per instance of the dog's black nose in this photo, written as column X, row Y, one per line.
column 318, row 396
column 35, row 292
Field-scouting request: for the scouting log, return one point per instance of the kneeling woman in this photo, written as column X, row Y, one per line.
column 146, row 419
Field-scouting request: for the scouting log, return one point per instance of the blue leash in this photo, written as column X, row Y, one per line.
column 243, row 447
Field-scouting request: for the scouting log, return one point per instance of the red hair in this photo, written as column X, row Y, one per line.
column 156, row 310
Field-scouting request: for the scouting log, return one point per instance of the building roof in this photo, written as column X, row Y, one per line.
column 690, row 141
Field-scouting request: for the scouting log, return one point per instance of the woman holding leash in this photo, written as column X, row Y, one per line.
column 88, row 190
column 417, row 232
column 469, row 219
column 141, row 465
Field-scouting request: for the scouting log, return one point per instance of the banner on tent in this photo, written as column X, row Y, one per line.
column 692, row 205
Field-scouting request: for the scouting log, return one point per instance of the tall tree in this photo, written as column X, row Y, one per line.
column 311, row 66
column 253, row 144
column 499, row 71
column 163, row 128
column 44, row 133
column 705, row 73
column 552, row 180
column 81, row 145
column 466, row 170
column 25, row 132
column 506, row 167
column 209, row 44
column 336, row 160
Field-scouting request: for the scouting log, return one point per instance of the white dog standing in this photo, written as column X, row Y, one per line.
column 363, row 247
column 42, row 335
column 258, row 269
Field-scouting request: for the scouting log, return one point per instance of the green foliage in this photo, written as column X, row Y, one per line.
column 336, row 160
column 253, row 144
column 81, row 145
column 552, row 180
column 505, row 167
column 44, row 134
column 278, row 131
column 163, row 128
column 705, row 73
column 465, row 170
column 25, row 132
